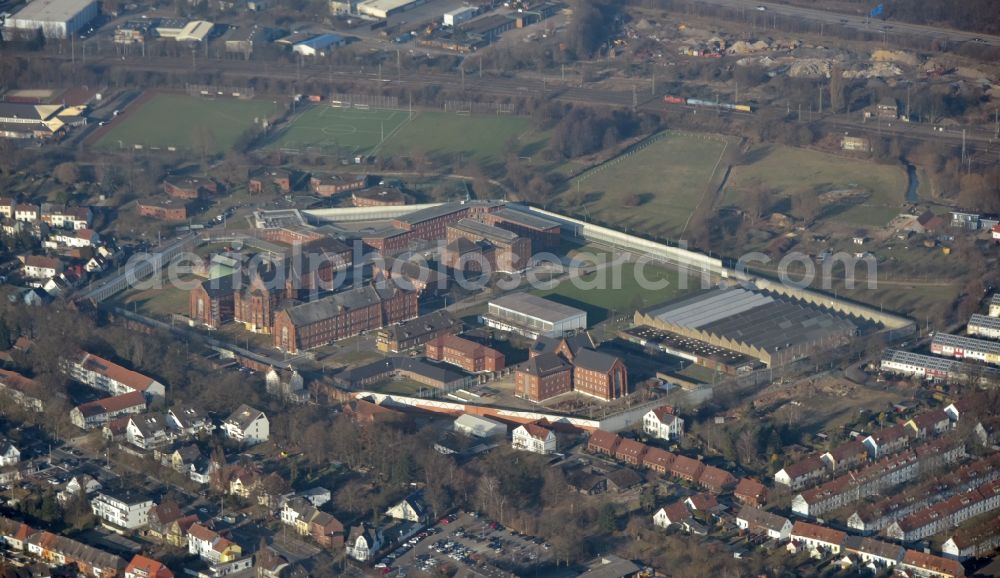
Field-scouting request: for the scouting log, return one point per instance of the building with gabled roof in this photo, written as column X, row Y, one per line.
column 930, row 566
column 102, row 374
column 800, row 474
column 143, row 567
column 716, row 480
column 603, row 442
column 663, row 423
column 534, row 437
column 469, row 355
column 814, row 536
column 417, row 331
column 94, row 414
column 247, row 425
column 542, row 377
column 658, row 460
column 630, row 451
column 758, row 521
column 846, row 456
column 750, row 492
column 872, row 551
column 686, row 468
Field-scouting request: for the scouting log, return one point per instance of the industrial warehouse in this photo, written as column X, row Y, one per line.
column 54, row 18
column 768, row 327
column 533, row 316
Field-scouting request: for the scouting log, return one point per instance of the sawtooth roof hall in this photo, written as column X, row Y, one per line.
column 769, row 327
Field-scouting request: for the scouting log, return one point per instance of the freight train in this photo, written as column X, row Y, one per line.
column 669, row 99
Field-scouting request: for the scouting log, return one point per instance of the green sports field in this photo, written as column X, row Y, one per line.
column 326, row 129
column 185, row 123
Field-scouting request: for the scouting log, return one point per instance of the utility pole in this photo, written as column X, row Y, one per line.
column 380, row 72
column 737, row 98
column 800, row 112
column 652, row 86
column 480, row 66
column 908, row 102
column 462, row 69
column 635, row 98
column 963, row 145
column 821, row 99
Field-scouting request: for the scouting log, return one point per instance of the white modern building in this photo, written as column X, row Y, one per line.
column 533, row 316
column 533, row 437
column 120, row 510
column 458, row 16
column 248, row 425
column 480, row 427
column 55, row 18
column 100, row 373
column 662, row 423
column 363, row 542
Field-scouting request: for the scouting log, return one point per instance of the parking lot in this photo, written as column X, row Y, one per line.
column 469, row 543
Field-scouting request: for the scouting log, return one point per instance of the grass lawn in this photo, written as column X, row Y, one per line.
column 186, row 122
column 791, row 172
column 348, row 129
column 598, row 293
column 669, row 178
column 160, row 302
column 480, row 137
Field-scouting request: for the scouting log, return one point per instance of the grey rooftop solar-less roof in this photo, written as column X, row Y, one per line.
column 526, row 219
column 537, row 307
column 331, row 306
column 485, row 231
column 709, row 307
column 430, row 213
column 594, row 360
column 52, row 10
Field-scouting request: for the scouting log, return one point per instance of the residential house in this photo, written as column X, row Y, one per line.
column 921, row 565
column 658, row 460
column 873, row 552
column 269, row 564
column 61, row 550
column 211, row 546
column 148, row 431
column 247, row 425
column 705, row 503
column 102, row 374
column 41, row 267
column 630, row 452
column 716, row 480
column 81, row 484
column 816, row 537
column 622, row 479
column 143, row 567
column 678, row 514
column 757, row 521
column 23, row 391
column 603, row 442
column 161, row 518
column 363, row 542
column 9, row 454
column 846, row 456
column 409, row 509
column 662, row 423
column 802, row 473
column 327, row 531
column 973, row 541
column 188, row 421
column 120, row 510
column 243, row 483
column 930, row 423
column 750, row 493
column 316, row 496
column 686, row 468
column 95, row 414
column 534, row 437
column 14, row 534
column 887, row 441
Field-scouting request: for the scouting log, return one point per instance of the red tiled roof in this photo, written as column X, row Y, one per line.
column 663, row 411
column 603, row 440
column 703, row 502
column 135, row 380
column 200, row 532
column 685, row 467
column 148, row 567
column 657, row 458
column 677, row 512
column 933, row 563
column 716, row 478
column 804, row 466
column 113, row 404
column 752, row 489
column 817, row 532
column 537, row 430
column 631, row 448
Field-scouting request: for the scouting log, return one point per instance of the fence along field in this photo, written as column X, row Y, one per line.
column 177, row 122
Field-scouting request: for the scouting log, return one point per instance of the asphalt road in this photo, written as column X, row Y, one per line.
column 859, row 22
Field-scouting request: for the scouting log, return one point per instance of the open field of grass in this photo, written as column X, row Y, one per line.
column 158, row 302
column 790, row 172
column 481, row 138
column 328, row 129
column 186, row 123
column 668, row 179
column 600, row 293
